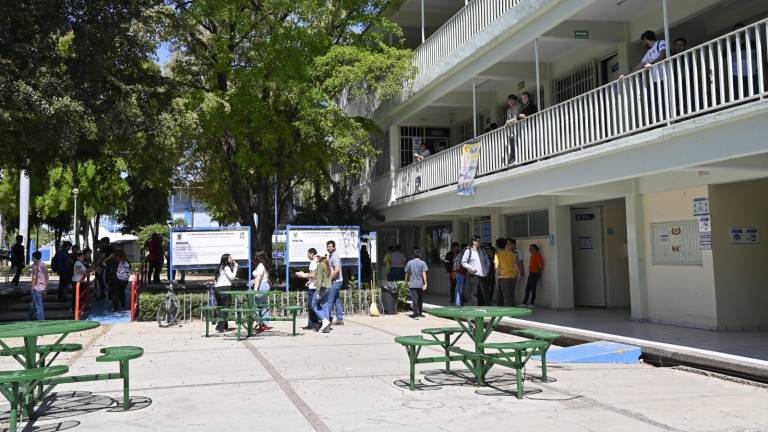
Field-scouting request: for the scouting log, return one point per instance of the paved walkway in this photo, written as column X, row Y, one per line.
column 349, row 380
column 752, row 344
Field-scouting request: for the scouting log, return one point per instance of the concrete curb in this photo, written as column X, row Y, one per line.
column 676, row 353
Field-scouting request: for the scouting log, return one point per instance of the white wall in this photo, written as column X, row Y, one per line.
column 741, row 271
column 680, row 295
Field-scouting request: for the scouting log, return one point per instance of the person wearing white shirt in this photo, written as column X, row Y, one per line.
column 397, row 262
column 656, row 52
column 312, row 322
column 477, row 263
column 225, row 274
column 260, row 282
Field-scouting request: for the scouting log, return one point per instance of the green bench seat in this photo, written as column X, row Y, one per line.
column 447, row 333
column 247, row 316
column 413, row 345
column 243, row 317
column 122, row 355
column 10, row 381
column 515, row 355
column 210, row 314
column 544, row 335
column 42, row 349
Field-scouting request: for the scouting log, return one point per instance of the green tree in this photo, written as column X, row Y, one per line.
column 264, row 80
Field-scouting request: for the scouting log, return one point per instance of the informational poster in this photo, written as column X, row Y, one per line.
column 470, row 159
column 705, row 241
column 705, row 224
column 677, row 243
column 700, row 206
column 300, row 239
column 744, row 235
column 584, row 243
column 204, row 247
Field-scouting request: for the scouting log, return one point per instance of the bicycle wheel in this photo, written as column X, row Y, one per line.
column 168, row 311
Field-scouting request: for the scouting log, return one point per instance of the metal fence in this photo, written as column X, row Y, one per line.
column 724, row 72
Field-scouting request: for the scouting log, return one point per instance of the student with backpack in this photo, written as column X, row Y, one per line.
column 477, row 264
column 60, row 265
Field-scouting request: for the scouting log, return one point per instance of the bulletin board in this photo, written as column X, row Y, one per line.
column 676, row 243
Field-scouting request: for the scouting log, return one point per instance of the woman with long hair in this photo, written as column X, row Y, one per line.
column 226, row 272
column 117, row 279
column 260, row 282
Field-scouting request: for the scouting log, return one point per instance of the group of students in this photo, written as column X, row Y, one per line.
column 324, row 282
column 111, row 267
column 475, row 275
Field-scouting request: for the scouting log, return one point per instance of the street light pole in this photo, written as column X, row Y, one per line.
column 75, row 191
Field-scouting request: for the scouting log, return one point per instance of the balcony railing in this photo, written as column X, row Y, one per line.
column 724, row 72
column 469, row 21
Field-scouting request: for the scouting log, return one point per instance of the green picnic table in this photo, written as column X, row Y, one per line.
column 256, row 311
column 26, row 388
column 473, row 320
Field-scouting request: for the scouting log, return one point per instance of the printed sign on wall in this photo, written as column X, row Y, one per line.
column 744, row 235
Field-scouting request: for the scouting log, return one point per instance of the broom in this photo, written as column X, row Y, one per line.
column 374, row 309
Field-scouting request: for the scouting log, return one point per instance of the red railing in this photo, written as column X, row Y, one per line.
column 84, row 295
column 137, row 285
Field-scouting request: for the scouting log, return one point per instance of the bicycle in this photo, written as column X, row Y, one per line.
column 168, row 311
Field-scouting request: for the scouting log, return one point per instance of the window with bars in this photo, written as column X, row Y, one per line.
column 575, row 82
column 410, row 139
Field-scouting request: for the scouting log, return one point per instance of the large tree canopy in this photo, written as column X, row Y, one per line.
column 263, row 79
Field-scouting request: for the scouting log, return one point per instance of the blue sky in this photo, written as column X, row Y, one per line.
column 163, row 53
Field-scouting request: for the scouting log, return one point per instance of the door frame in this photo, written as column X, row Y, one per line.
column 603, row 247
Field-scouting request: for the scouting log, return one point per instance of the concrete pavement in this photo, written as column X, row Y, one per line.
column 349, row 380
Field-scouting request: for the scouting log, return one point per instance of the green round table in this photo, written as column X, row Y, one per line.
column 472, row 320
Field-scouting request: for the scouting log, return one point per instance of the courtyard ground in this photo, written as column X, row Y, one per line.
column 353, row 380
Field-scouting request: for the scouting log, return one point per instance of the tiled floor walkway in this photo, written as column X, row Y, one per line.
column 753, row 344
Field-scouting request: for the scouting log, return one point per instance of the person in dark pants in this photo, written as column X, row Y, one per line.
column 17, row 258
column 450, row 257
column 225, row 274
column 118, row 273
column 476, row 261
column 535, row 268
column 64, row 270
column 154, row 247
column 416, row 277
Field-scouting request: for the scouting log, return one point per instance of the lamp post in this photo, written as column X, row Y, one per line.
column 75, row 191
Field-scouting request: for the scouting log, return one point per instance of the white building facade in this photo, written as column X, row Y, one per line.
column 647, row 191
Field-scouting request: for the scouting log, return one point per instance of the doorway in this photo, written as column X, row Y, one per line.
column 609, row 69
column 588, row 257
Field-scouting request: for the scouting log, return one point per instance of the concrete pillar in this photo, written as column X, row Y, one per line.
column 24, row 206
column 455, row 228
column 638, row 285
column 496, row 222
column 560, row 239
column 394, row 159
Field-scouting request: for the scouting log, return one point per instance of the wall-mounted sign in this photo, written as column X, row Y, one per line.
column 581, row 34
column 705, row 225
column 585, row 217
column 744, row 235
column 700, row 206
column 705, row 241
column 584, row 243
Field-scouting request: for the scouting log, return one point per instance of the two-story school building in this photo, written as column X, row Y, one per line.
column 646, row 189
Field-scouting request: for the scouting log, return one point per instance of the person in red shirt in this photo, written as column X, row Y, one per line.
column 154, row 247
column 535, row 267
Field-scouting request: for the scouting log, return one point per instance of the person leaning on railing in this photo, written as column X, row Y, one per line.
column 656, row 52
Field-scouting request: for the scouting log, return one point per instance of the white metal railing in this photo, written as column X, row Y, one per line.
column 461, row 27
column 726, row 71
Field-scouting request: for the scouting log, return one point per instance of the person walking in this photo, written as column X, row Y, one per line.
column 60, row 265
column 461, row 276
column 416, row 277
column 313, row 323
column 154, row 247
column 79, row 272
column 366, row 271
column 448, row 261
column 535, row 267
column 260, row 283
column 337, row 280
column 39, row 285
column 323, row 285
column 506, row 272
column 477, row 264
column 119, row 282
column 18, row 260
column 226, row 272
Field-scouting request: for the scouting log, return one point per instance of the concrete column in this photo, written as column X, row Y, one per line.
column 538, row 76
column 496, row 222
column 422, row 22
column 455, row 227
column 24, row 206
column 394, row 159
column 638, row 285
column 474, row 109
column 560, row 235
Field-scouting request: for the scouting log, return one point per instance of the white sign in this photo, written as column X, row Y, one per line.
column 744, row 235
column 700, row 206
column 705, row 225
column 203, row 248
column 584, row 243
column 300, row 240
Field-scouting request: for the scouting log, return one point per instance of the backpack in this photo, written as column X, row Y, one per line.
column 55, row 263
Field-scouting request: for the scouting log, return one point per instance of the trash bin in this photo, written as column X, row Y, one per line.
column 389, row 292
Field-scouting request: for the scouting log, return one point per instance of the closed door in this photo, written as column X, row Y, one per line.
column 588, row 258
column 609, row 69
